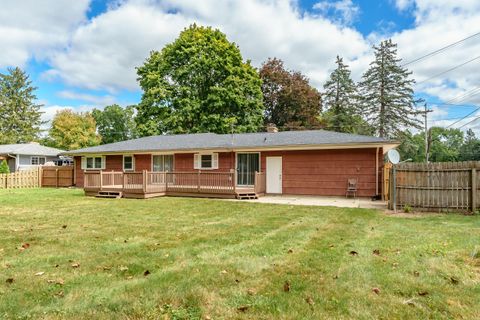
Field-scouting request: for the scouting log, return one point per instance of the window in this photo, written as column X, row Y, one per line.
column 35, row 161
column 205, row 161
column 93, row 163
column 128, row 163
column 162, row 163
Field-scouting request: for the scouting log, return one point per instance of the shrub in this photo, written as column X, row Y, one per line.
column 407, row 208
column 4, row 167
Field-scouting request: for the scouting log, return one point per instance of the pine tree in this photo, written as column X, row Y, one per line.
column 387, row 93
column 20, row 117
column 340, row 101
column 4, row 167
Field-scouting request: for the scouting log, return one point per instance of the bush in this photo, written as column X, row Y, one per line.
column 407, row 208
column 4, row 167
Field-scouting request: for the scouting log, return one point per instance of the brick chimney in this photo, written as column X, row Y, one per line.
column 272, row 128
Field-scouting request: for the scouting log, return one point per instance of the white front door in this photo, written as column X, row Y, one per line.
column 274, row 174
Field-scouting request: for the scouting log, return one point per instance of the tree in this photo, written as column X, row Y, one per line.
column 289, row 99
column 470, row 149
column 4, row 168
column 340, row 100
column 387, row 93
column 199, row 83
column 115, row 123
column 444, row 144
column 412, row 146
column 72, row 130
column 20, row 117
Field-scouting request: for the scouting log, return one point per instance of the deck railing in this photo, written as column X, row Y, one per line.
column 177, row 182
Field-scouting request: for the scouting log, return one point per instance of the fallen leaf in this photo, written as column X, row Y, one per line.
column 129, row 277
column 75, row 265
column 331, row 246
column 290, row 251
column 410, row 302
column 26, row 245
column 224, row 272
column 376, row 252
column 251, row 292
column 207, row 317
column 376, row 290
column 237, row 281
column 59, row 294
column 9, row 280
column 41, row 273
column 57, row 265
column 309, row 300
column 106, row 268
column 416, row 273
column 286, row 286
column 354, row 253
column 123, row 268
column 146, row 273
column 64, row 226
column 454, row 280
column 243, row 308
column 335, row 276
column 422, row 293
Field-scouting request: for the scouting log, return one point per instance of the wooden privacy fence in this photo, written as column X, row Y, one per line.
column 38, row 177
column 442, row 186
column 21, row 179
column 57, row 176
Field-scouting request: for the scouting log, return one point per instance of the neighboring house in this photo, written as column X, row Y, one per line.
column 315, row 162
column 24, row 156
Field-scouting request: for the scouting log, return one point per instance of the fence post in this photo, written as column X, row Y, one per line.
column 474, row 190
column 394, row 188
column 40, row 176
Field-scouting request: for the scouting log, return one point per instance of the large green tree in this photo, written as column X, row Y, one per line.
column 115, row 123
column 290, row 101
column 470, row 149
column 340, row 99
column 387, row 93
column 199, row 83
column 71, row 130
column 20, row 116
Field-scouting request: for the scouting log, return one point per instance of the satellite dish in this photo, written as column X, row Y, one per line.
column 393, row 156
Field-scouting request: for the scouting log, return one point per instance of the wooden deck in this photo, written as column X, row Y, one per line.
column 147, row 184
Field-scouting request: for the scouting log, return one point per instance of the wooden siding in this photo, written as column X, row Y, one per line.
column 325, row 172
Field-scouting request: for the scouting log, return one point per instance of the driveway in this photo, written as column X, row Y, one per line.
column 323, row 201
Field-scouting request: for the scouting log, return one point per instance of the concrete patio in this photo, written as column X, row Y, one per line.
column 366, row 203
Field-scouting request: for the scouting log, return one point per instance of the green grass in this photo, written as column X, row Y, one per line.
column 210, row 258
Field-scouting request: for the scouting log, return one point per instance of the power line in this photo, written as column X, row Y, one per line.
column 439, row 50
column 451, row 69
column 463, row 118
column 469, row 122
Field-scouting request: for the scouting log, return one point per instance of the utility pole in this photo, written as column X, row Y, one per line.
column 427, row 147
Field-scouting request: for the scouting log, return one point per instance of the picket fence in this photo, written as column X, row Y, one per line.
column 21, row 179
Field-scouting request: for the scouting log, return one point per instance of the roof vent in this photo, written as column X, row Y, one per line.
column 272, row 128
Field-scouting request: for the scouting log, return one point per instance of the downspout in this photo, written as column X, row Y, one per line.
column 376, row 172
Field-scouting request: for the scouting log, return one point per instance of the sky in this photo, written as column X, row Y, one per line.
column 82, row 54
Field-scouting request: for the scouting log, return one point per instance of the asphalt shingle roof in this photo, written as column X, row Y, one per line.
column 30, row 149
column 231, row 141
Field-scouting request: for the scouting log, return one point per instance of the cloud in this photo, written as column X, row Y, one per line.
column 104, row 52
column 98, row 100
column 343, row 11
column 34, row 28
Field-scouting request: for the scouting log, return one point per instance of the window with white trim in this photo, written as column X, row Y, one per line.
column 128, row 163
column 35, row 161
column 93, row 163
column 162, row 162
column 206, row 161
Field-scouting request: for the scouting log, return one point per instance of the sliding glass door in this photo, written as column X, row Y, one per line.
column 247, row 164
column 162, row 163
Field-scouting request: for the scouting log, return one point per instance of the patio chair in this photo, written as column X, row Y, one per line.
column 351, row 187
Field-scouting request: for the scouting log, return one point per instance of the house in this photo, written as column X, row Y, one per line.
column 314, row 162
column 24, row 156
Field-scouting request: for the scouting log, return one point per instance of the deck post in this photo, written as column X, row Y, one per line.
column 233, row 182
column 101, row 180
column 144, row 172
column 123, row 181
column 474, row 190
column 165, row 176
column 198, row 181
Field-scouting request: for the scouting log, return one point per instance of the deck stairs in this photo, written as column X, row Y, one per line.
column 247, row 195
column 109, row 194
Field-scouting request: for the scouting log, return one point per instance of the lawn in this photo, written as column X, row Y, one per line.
column 64, row 255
